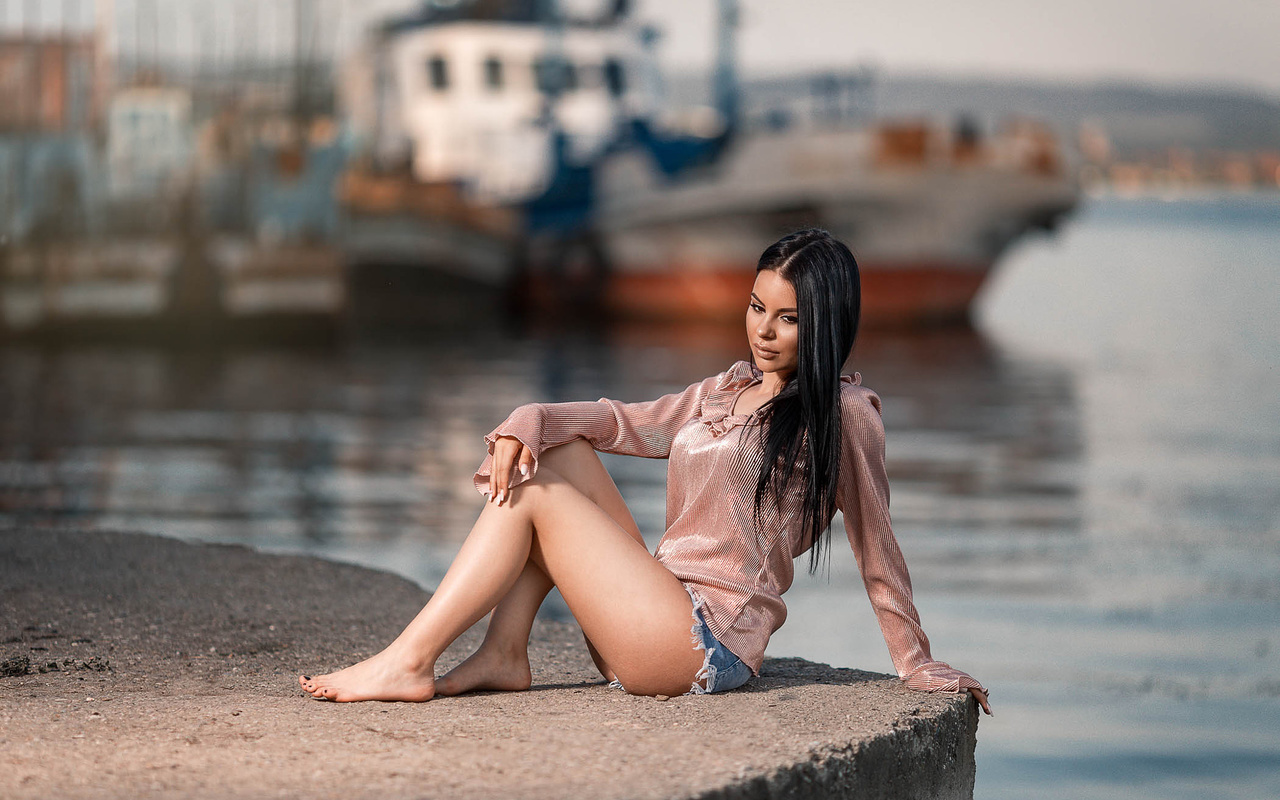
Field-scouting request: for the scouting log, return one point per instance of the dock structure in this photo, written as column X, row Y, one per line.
column 140, row 666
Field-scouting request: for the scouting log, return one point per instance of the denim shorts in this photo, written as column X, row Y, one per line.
column 721, row 669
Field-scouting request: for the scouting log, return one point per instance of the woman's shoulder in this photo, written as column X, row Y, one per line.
column 735, row 377
column 858, row 400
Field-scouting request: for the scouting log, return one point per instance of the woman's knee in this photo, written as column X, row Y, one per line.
column 563, row 457
column 578, row 464
column 531, row 494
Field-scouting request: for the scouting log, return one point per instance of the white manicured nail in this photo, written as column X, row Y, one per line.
column 524, row 469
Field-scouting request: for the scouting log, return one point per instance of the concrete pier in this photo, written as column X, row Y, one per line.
column 139, row 666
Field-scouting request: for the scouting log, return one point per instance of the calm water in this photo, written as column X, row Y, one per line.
column 1087, row 489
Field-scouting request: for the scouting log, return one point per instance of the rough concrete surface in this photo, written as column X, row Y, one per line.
column 138, row 666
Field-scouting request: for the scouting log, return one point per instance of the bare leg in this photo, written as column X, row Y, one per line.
column 502, row 660
column 630, row 606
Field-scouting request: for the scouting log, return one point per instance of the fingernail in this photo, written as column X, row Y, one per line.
column 524, row 469
column 501, row 495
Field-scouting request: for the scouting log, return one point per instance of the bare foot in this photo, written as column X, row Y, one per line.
column 382, row 677
column 486, row 668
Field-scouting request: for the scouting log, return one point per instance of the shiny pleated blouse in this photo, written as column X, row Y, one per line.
column 712, row 543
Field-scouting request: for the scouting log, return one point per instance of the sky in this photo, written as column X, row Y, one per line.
column 1205, row 42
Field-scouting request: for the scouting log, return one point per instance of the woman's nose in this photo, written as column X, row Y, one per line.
column 764, row 330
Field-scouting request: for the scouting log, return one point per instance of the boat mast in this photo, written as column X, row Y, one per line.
column 553, row 83
column 303, row 15
column 726, row 77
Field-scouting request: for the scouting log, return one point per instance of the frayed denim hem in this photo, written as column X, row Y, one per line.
column 708, row 672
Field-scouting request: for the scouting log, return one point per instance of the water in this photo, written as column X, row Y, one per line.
column 1086, row 490
column 1093, row 518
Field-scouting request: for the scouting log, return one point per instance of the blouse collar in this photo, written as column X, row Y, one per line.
column 717, row 405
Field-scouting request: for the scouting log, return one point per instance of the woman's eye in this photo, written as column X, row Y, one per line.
column 756, row 307
column 790, row 319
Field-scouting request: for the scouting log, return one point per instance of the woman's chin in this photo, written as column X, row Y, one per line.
column 773, row 368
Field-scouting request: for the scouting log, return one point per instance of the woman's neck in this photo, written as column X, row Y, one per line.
column 771, row 383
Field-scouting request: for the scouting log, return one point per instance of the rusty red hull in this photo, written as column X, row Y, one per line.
column 900, row 294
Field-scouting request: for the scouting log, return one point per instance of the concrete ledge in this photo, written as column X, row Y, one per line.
column 138, row 666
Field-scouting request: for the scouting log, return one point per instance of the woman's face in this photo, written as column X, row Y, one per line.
column 772, row 326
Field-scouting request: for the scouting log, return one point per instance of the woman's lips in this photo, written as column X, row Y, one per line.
column 764, row 352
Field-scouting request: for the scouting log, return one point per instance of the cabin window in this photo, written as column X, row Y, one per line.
column 614, row 77
column 555, row 75
column 438, row 72
column 493, row 73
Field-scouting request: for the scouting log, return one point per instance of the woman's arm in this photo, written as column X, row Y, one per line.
column 643, row 429
column 863, row 497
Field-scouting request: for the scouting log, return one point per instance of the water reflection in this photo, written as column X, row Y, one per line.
column 375, row 444
column 366, row 452
column 983, row 456
column 355, row 451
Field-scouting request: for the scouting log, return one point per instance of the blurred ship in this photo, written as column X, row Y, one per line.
column 124, row 214
column 927, row 211
column 651, row 211
column 508, row 145
column 481, row 125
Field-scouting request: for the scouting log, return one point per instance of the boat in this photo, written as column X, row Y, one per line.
column 926, row 208
column 927, row 215
column 125, row 217
column 481, row 121
column 644, row 210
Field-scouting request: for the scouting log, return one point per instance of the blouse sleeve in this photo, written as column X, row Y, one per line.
column 863, row 497
column 643, row 429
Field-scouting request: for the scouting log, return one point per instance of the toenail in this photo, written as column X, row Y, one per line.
column 306, row 677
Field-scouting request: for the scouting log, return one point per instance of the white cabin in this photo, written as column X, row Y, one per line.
column 467, row 100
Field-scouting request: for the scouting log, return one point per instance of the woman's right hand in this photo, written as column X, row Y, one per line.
column 509, row 455
column 981, row 697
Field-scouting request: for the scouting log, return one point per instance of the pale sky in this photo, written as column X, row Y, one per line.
column 1202, row 41
column 1179, row 41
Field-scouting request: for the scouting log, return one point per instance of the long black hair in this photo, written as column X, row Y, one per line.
column 801, row 424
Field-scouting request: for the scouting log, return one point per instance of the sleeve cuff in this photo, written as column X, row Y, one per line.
column 939, row 676
column 524, row 424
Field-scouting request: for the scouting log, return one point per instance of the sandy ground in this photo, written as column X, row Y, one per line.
column 138, row 666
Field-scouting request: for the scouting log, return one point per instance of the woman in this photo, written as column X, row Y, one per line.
column 761, row 456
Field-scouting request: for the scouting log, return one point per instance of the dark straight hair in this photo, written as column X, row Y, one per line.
column 801, row 432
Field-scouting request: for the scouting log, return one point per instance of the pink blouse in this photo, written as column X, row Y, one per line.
column 712, row 544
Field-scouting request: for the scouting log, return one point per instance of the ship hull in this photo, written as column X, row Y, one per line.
column 893, row 294
column 145, row 286
column 925, row 234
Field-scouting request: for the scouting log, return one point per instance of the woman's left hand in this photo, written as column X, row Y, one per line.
column 509, row 454
column 982, row 700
